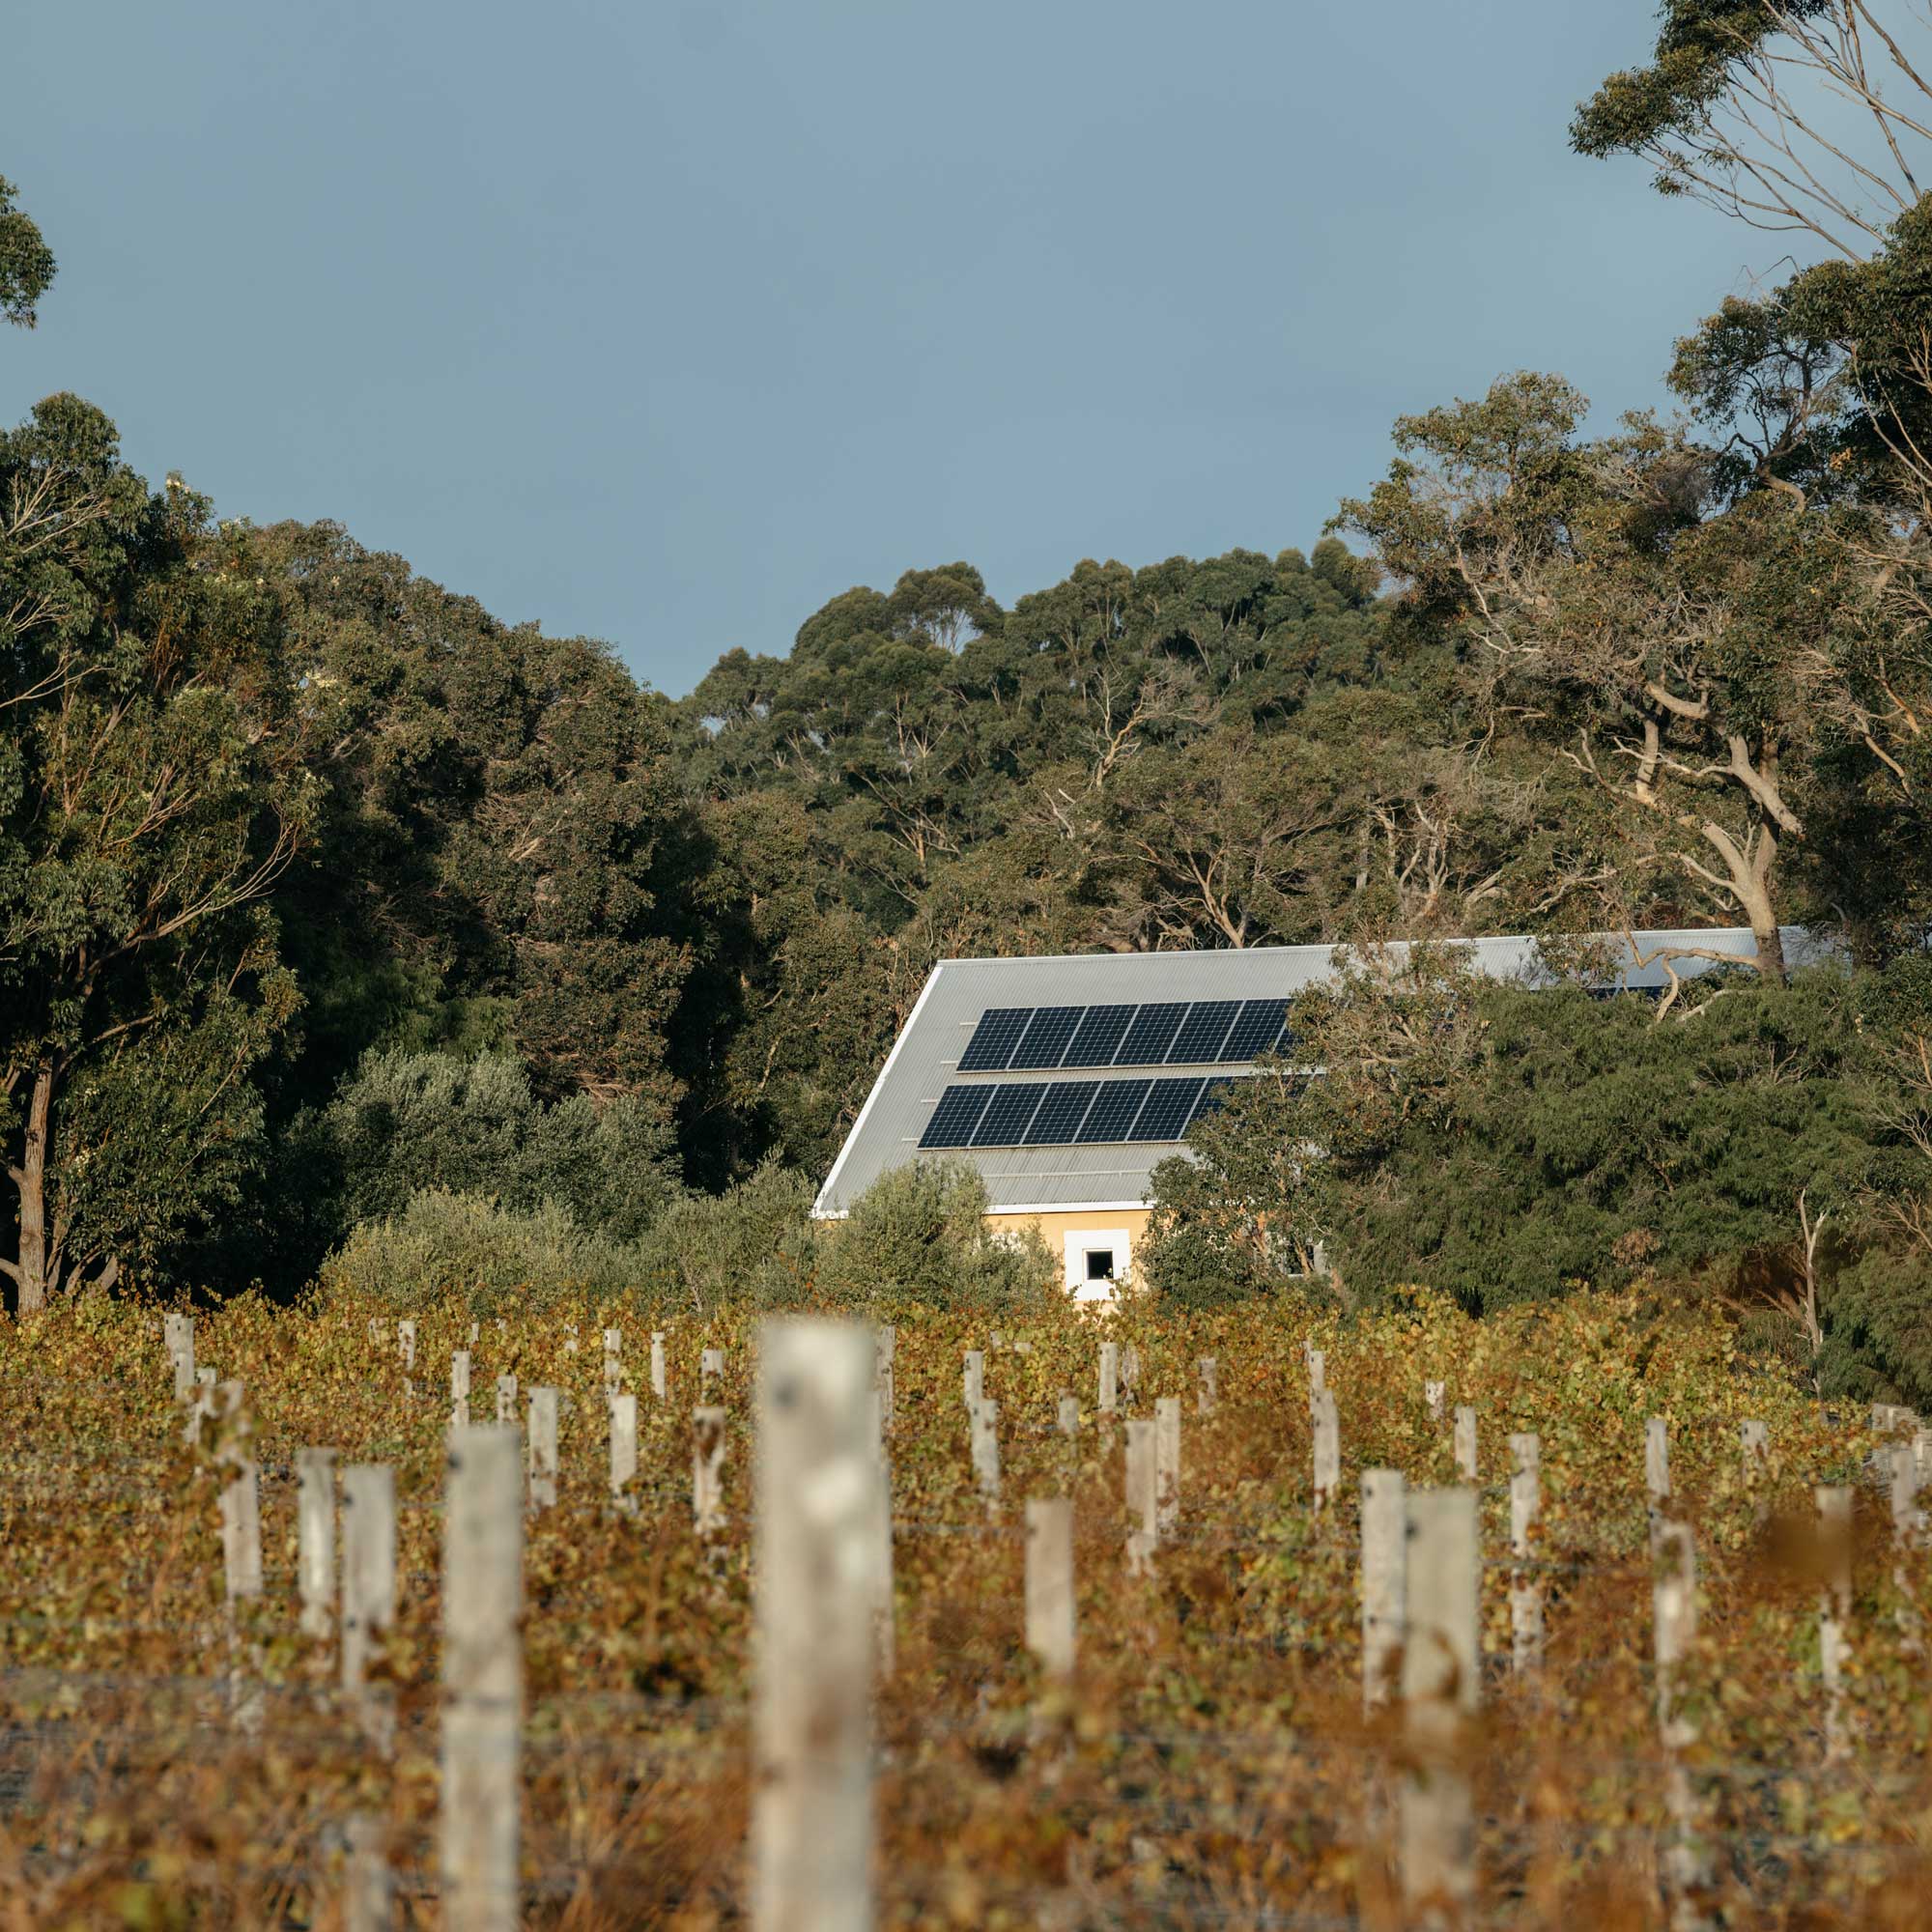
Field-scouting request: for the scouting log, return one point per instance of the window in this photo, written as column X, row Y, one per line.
column 1100, row 1264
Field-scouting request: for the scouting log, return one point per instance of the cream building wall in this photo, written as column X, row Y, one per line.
column 1075, row 1234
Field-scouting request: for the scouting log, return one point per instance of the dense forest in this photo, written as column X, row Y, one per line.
column 327, row 900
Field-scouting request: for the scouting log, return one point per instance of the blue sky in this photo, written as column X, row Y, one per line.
column 665, row 323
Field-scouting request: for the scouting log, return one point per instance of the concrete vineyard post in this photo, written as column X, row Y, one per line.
column 885, row 1610
column 1130, row 1373
column 482, row 1682
column 814, row 1485
column 1385, row 1557
column 1525, row 1592
column 368, row 1586
column 707, row 1470
column 569, row 1337
column 1834, row 1609
column 657, row 1363
column 973, row 1378
column 986, row 1449
column 1143, row 1521
column 1907, row 1524
column 613, row 1362
column 885, row 1345
column 506, row 1401
column 1754, row 1440
column 1442, row 1678
column 711, row 1370
column 315, row 1540
column 1328, row 1430
column 369, row 1890
column 1673, row 1629
column 623, row 1417
column 179, row 1332
column 1167, row 1464
column 458, row 1389
column 1466, row 1444
column 1069, row 1415
column 1318, row 1370
column 241, row 1545
column 543, row 1448
column 1110, row 1378
column 1049, row 1584
column 1208, row 1390
column 405, row 1344
column 1657, row 1472
column 1436, row 1394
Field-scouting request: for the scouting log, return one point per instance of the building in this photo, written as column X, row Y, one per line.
column 1066, row 1081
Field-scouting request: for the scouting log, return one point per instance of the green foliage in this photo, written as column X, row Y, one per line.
column 491, row 1258
column 26, row 261
column 750, row 1245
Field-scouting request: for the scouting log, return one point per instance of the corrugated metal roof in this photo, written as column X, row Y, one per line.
column 923, row 1059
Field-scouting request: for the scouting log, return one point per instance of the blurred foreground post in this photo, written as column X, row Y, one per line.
column 1318, row 1370
column 657, row 1363
column 1441, row 1682
column 623, row 1443
column 1327, row 1448
column 1208, row 1371
column 1525, row 1591
column 811, row 1804
column 1110, row 1378
column 885, row 1610
column 314, row 1539
column 543, row 1448
column 482, row 1681
column 1049, row 1584
column 1673, row 1629
column 885, row 1343
column 368, row 1902
column 1465, row 1443
column 368, row 1588
column 1384, row 1558
column 1908, row 1525
column 1068, row 1417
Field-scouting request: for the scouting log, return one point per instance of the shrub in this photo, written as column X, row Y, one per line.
column 752, row 1244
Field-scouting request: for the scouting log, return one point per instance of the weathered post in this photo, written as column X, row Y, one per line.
column 241, row 1545
column 1657, row 1472
column 1317, row 1370
column 543, row 1448
column 623, row 1417
column 1754, row 1440
column 506, row 1401
column 1436, row 1394
column 178, row 1330
column 1110, row 1379
column 368, row 1901
column 1208, row 1392
column 458, row 1389
column 1142, row 1512
column 657, row 1363
column 986, row 1449
column 1441, row 1679
column 1674, row 1629
column 315, row 1540
column 974, row 1379
column 815, row 1581
column 368, row 1587
column 1908, row 1525
column 885, row 1345
column 1167, row 1464
column 1525, row 1591
column 406, row 1343
column 482, row 1682
column 1834, row 1609
column 885, row 1610
column 1069, row 1415
column 1384, row 1556
column 1130, row 1373
column 1049, row 1584
column 1465, row 1443
column 613, row 1362
column 711, row 1369
column 707, row 1470
column 1327, row 1448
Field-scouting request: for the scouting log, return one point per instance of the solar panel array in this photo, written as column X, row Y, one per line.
column 1064, row 1112
column 1201, row 1033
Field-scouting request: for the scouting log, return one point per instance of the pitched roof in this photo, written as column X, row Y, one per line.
column 924, row 1058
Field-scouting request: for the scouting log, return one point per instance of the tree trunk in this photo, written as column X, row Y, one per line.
column 30, row 1178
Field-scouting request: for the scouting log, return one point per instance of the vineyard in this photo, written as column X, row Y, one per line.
column 181, row 1753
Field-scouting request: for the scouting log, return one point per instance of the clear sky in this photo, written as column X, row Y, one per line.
column 664, row 322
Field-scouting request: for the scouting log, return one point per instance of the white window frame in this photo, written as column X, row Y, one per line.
column 1080, row 1243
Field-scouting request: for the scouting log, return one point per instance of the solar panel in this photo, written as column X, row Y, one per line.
column 1098, row 1036
column 1061, row 1113
column 1046, row 1039
column 955, row 1116
column 1257, row 1030
column 1151, row 1034
column 1005, row 1122
column 1202, row 1032
column 1213, row 1092
column 1168, row 1109
column 994, row 1039
column 1112, row 1115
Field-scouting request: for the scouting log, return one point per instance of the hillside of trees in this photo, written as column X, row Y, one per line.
column 324, row 895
